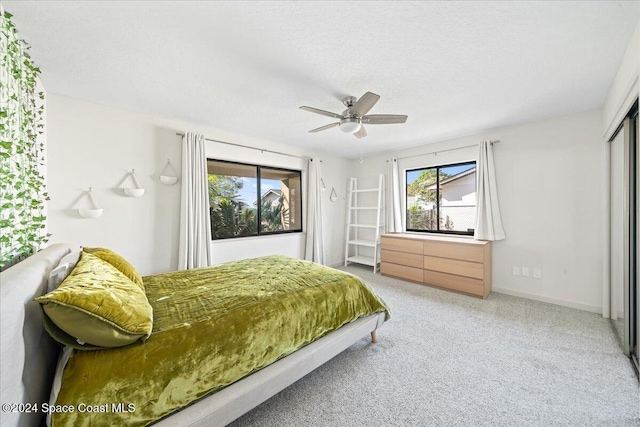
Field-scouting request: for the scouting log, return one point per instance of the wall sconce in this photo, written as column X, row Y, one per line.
column 138, row 190
column 168, row 176
column 94, row 212
column 334, row 196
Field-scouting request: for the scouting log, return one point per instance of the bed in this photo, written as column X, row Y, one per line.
column 29, row 355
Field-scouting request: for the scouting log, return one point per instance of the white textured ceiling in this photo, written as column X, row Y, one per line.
column 453, row 67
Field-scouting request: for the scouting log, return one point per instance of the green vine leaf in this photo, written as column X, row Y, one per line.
column 23, row 194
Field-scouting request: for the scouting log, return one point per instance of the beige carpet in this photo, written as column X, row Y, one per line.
column 446, row 359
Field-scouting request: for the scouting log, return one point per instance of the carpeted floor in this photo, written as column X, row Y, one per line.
column 446, row 359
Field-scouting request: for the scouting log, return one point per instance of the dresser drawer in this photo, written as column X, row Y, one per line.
column 465, row 252
column 401, row 245
column 402, row 258
column 454, row 266
column 401, row 271
column 458, row 264
column 457, row 283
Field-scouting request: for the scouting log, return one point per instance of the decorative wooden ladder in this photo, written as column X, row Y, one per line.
column 363, row 232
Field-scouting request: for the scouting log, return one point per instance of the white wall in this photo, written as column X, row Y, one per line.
column 95, row 146
column 537, row 165
column 551, row 194
column 625, row 88
column 335, row 176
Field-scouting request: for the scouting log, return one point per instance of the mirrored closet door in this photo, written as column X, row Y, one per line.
column 625, row 234
column 635, row 303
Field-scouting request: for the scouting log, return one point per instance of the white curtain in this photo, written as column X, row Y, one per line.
column 394, row 218
column 195, row 222
column 314, row 248
column 488, row 220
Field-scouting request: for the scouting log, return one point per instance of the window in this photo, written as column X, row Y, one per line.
column 249, row 200
column 442, row 199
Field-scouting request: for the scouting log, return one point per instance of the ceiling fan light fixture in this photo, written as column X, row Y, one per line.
column 350, row 125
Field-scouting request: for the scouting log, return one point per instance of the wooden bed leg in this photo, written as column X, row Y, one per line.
column 374, row 337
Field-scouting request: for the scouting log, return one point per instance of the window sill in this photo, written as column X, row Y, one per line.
column 428, row 234
column 265, row 236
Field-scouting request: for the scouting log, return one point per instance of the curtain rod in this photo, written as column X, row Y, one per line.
column 263, row 150
column 444, row 151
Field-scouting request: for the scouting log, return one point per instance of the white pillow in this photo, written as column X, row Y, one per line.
column 63, row 358
column 58, row 274
column 71, row 259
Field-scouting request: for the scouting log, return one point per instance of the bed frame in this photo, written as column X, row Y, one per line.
column 29, row 355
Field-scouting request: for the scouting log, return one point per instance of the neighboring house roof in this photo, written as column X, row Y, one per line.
column 268, row 193
column 278, row 193
column 453, row 178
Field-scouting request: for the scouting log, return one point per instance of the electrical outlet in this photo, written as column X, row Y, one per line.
column 537, row 273
column 515, row 271
column 525, row 271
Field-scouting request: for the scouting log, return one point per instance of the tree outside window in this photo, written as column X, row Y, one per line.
column 249, row 200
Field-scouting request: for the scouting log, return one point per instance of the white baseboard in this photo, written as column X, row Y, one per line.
column 557, row 301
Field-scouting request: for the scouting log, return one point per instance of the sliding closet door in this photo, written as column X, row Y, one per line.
column 631, row 270
column 634, row 141
column 616, row 215
column 625, row 234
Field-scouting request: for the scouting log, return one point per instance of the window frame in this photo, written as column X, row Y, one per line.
column 406, row 199
column 259, row 194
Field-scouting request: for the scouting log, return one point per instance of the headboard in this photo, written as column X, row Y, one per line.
column 28, row 355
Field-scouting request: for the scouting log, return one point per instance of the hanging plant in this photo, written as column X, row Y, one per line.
column 22, row 193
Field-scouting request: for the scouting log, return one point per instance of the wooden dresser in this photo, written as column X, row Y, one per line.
column 454, row 263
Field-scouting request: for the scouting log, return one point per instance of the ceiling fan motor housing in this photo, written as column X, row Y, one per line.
column 348, row 101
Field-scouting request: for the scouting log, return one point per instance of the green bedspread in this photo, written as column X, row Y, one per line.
column 212, row 326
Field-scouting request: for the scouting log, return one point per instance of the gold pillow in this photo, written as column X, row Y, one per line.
column 118, row 262
column 64, row 338
column 98, row 306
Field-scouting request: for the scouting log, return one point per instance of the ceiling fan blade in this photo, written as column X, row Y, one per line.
column 361, row 133
column 364, row 104
column 332, row 125
column 323, row 112
column 384, row 119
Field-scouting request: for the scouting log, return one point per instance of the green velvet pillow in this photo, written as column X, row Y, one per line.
column 118, row 262
column 98, row 306
column 64, row 338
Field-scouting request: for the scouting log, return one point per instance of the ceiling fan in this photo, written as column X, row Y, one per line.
column 352, row 119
